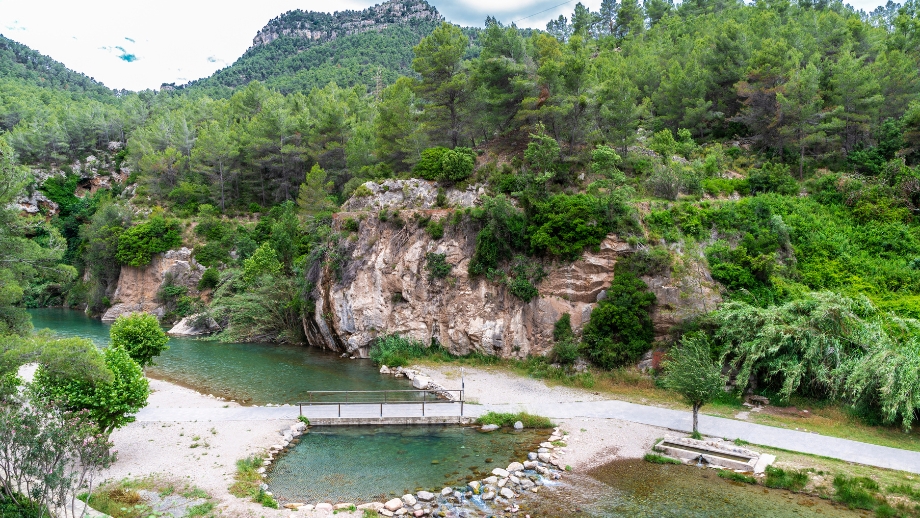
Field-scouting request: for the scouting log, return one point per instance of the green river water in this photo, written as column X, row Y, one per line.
column 363, row 463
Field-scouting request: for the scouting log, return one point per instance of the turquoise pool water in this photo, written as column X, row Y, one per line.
column 363, row 463
column 248, row 373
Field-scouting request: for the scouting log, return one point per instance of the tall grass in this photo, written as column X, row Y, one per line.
column 508, row 419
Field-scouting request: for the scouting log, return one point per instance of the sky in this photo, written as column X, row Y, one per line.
column 137, row 45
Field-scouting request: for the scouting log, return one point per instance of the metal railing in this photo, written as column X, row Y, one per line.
column 373, row 397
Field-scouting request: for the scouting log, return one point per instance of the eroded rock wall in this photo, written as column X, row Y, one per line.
column 137, row 287
column 383, row 287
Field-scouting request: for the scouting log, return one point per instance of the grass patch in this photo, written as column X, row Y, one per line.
column 200, row 510
column 508, row 419
column 905, row 490
column 856, row 492
column 737, row 477
column 792, row 480
column 654, row 458
column 123, row 499
column 246, row 482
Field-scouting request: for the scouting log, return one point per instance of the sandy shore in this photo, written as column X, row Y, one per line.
column 590, row 441
column 164, row 450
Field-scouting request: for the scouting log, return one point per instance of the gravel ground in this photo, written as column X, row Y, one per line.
column 164, row 449
column 590, row 441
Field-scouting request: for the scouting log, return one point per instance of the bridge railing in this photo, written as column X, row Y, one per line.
column 381, row 398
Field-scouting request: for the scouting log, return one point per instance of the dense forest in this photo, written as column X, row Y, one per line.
column 779, row 140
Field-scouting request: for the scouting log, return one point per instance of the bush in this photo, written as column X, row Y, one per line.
column 137, row 244
column 429, row 166
column 437, row 266
column 562, row 329
column 350, row 224
column 396, row 351
column 508, row 419
column 211, row 254
column 566, row 351
column 620, row 329
column 140, row 335
column 263, row 262
column 457, row 164
column 565, row 225
column 655, row 458
column 792, row 480
column 772, row 178
column 209, row 279
column 663, row 143
column 435, row 229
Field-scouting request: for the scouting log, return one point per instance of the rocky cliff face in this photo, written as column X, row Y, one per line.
column 138, row 287
column 318, row 26
column 383, row 287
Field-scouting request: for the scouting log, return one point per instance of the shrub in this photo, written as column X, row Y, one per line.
column 566, row 351
column 350, row 224
column 437, row 266
column 137, row 244
column 263, row 262
column 140, row 335
column 565, row 225
column 209, row 279
column 457, row 164
column 792, row 480
column 211, row 254
column 508, row 419
column 772, row 178
column 429, row 166
column 655, row 458
column 562, row 329
column 440, row 200
column 435, row 229
column 363, row 191
column 620, row 329
column 395, row 351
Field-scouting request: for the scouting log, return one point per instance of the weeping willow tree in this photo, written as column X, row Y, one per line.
column 826, row 345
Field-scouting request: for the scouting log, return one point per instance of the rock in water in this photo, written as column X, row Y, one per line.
column 393, row 505
column 518, row 425
column 489, row 427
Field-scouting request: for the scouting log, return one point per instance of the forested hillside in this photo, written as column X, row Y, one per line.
column 778, row 143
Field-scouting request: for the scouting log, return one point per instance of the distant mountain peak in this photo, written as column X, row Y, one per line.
column 319, row 26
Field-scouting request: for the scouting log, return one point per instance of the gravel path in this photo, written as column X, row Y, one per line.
column 503, row 392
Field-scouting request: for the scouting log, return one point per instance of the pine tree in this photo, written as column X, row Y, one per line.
column 438, row 60
column 800, row 104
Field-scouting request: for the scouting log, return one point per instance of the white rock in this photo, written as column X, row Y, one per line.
column 500, row 472
column 546, row 445
column 518, row 425
column 339, row 507
column 475, row 485
column 409, row 500
column 502, row 482
column 323, row 507
column 376, row 506
column 530, row 464
column 488, row 495
column 385, row 370
column 308, row 507
column 393, row 504
column 401, row 512
column 491, row 480
column 386, row 512
column 514, row 480
column 489, row 427
column 425, row 496
column 544, row 457
column 507, row 493
column 421, row 382
column 446, row 491
column 515, row 466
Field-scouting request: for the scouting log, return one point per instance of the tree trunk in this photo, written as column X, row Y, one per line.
column 696, row 409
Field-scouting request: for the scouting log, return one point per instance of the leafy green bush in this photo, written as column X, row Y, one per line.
column 140, row 335
column 211, row 254
column 508, row 419
column 457, row 164
column 772, row 178
column 435, row 229
column 209, row 279
column 655, row 458
column 395, row 351
column 137, row 244
column 792, row 480
column 566, row 351
column 620, row 329
column 429, row 166
column 437, row 266
column 562, row 329
column 350, row 224
column 263, row 262
column 564, row 225
column 61, row 190
column 663, row 143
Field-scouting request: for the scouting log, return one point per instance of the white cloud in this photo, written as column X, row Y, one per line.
column 180, row 40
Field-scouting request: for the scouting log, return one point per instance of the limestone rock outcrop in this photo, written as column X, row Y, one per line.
column 194, row 325
column 382, row 287
column 138, row 287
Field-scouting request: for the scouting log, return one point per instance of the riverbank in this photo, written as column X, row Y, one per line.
column 200, row 454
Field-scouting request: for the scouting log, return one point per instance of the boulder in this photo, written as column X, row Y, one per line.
column 194, row 325
column 544, row 457
column 386, row 512
column 323, row 507
column 409, row 500
column 491, row 480
column 499, row 472
column 489, row 427
column 385, row 370
column 393, row 505
column 421, row 382
column 515, row 466
column 425, row 496
column 488, row 495
column 340, row 507
column 507, row 493
column 446, row 491
column 475, row 486
column 518, row 425
column 374, row 506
